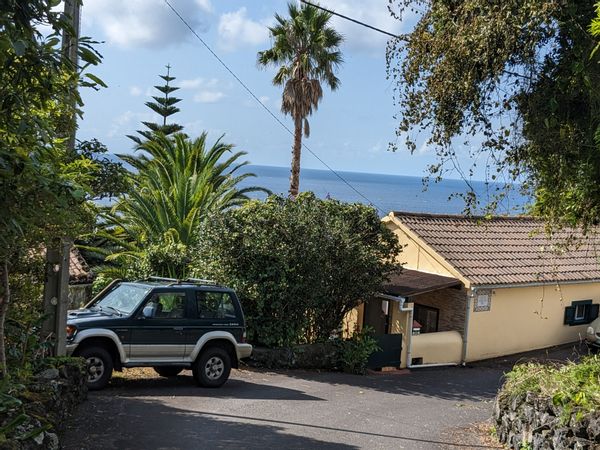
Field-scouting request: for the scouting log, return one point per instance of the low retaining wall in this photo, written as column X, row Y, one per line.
column 529, row 421
column 443, row 347
column 322, row 356
column 48, row 401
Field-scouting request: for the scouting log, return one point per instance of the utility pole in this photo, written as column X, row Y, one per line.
column 58, row 253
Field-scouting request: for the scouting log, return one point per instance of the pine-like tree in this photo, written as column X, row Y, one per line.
column 165, row 107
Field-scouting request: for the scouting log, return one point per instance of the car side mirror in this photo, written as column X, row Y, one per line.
column 147, row 312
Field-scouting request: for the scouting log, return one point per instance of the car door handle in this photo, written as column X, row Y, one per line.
column 178, row 328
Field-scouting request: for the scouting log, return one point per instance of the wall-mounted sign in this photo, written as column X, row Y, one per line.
column 483, row 300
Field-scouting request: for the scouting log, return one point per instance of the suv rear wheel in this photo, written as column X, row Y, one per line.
column 99, row 367
column 168, row 371
column 212, row 368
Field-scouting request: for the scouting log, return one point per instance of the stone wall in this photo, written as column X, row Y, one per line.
column 529, row 421
column 322, row 356
column 47, row 400
column 452, row 304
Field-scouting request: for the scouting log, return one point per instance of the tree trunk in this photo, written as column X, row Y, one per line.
column 296, row 153
column 4, row 300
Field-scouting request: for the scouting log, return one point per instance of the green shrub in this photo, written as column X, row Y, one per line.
column 575, row 387
column 298, row 265
column 354, row 352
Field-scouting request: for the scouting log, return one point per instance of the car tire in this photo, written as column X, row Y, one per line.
column 168, row 371
column 99, row 367
column 212, row 367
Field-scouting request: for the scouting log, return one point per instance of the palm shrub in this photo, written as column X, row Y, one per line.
column 177, row 183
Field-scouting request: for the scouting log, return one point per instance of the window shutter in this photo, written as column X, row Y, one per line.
column 569, row 315
column 593, row 312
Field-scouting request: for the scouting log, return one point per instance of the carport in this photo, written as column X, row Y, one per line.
column 419, row 320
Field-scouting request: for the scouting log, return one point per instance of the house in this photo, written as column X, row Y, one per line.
column 481, row 288
column 80, row 279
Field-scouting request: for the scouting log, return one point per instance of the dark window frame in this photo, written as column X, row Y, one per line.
column 590, row 312
column 430, row 308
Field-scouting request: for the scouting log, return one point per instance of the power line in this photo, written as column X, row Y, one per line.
column 352, row 20
column 267, row 109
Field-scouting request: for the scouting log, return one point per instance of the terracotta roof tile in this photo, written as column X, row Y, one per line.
column 507, row 250
column 79, row 271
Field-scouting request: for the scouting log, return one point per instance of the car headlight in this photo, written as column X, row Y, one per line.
column 71, row 330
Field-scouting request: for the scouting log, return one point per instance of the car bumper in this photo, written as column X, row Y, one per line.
column 71, row 348
column 243, row 350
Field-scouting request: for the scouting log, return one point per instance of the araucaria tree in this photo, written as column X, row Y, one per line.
column 306, row 49
column 515, row 78
column 177, row 182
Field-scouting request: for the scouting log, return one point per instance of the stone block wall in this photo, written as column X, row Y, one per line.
column 534, row 422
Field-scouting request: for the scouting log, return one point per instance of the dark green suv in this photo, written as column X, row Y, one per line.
column 162, row 323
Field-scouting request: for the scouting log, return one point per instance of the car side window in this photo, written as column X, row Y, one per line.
column 215, row 305
column 166, row 306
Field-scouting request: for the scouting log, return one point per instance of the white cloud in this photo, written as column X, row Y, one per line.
column 124, row 123
column 135, row 91
column 236, row 30
column 197, row 83
column 206, row 90
column 146, row 23
column 208, row 96
column 372, row 12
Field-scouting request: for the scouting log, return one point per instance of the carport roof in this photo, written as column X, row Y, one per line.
column 408, row 283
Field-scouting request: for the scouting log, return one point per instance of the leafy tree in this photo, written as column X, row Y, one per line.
column 299, row 265
column 177, row 183
column 515, row 75
column 43, row 186
column 163, row 106
column 306, row 49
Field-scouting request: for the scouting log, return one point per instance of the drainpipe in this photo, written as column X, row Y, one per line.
column 466, row 331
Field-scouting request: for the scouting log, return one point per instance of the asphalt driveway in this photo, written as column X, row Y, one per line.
column 424, row 409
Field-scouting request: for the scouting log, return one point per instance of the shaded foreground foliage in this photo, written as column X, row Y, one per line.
column 298, row 265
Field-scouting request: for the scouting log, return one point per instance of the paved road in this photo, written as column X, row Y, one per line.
column 424, row 409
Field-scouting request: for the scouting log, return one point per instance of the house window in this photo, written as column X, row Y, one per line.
column 581, row 312
column 427, row 317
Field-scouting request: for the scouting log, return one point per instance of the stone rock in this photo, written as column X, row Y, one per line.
column 49, row 374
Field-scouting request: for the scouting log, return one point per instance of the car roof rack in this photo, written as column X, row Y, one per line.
column 187, row 280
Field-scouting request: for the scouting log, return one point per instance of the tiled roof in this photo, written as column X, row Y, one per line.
column 507, row 250
column 407, row 283
column 79, row 271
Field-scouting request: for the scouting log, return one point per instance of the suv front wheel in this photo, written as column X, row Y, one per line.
column 99, row 366
column 212, row 368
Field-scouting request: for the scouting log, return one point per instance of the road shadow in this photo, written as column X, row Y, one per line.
column 107, row 423
column 184, row 385
column 478, row 381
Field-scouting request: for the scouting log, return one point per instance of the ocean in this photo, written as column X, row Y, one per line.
column 385, row 192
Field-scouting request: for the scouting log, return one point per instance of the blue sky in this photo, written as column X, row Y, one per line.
column 350, row 131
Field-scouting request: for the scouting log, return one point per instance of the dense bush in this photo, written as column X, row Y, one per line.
column 354, row 352
column 298, row 265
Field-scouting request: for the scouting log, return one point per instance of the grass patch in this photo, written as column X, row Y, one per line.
column 573, row 386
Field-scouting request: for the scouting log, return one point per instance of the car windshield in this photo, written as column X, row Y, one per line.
column 124, row 298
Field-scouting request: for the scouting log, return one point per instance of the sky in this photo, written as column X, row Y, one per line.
column 350, row 131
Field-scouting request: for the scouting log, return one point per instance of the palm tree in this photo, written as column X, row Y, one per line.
column 306, row 49
column 177, row 184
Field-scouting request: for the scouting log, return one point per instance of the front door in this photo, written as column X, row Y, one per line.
column 158, row 335
column 376, row 316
